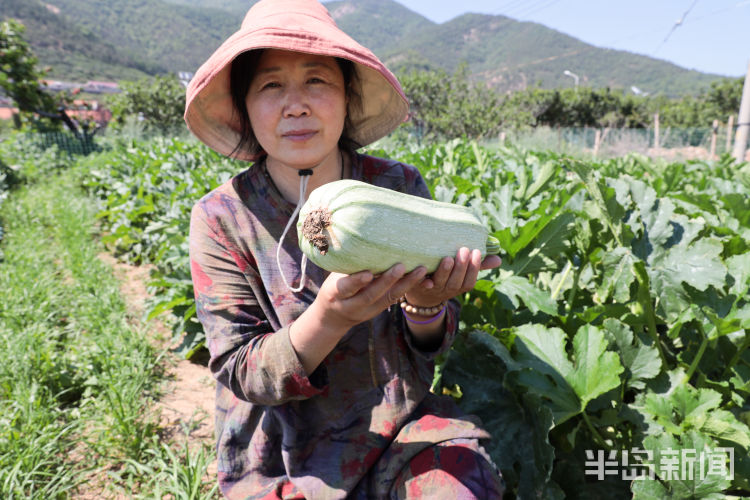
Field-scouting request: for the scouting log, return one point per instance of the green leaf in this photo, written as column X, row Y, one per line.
column 541, row 178
column 546, row 249
column 618, row 275
column 689, row 408
column 723, row 425
column 596, row 370
column 660, row 410
column 699, row 265
column 501, row 208
column 691, row 404
column 741, row 379
column 517, row 289
column 738, row 267
column 641, row 362
column 548, row 209
column 542, row 366
column 477, row 364
column 567, row 386
column 678, row 464
column 650, row 490
column 605, row 206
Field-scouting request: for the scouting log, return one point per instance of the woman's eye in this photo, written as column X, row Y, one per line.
column 271, row 85
column 315, row 79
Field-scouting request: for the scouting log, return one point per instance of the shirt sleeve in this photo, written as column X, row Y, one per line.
column 257, row 364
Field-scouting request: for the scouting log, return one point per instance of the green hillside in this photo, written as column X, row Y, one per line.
column 108, row 39
column 68, row 49
column 111, row 39
column 173, row 38
column 512, row 55
column 237, row 7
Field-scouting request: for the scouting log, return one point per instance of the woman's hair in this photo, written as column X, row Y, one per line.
column 240, row 77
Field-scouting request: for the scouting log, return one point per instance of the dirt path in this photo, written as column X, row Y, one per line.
column 188, row 403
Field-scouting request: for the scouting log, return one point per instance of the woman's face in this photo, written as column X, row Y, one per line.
column 297, row 107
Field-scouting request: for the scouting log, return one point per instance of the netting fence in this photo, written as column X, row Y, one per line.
column 699, row 142
column 81, row 143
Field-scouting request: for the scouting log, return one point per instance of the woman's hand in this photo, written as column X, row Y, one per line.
column 342, row 302
column 454, row 276
column 351, row 299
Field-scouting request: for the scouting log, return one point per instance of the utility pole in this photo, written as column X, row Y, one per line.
column 743, row 123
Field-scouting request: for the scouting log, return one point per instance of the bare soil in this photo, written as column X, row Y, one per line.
column 188, row 402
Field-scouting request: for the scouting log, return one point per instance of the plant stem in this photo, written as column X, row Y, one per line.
column 566, row 272
column 736, row 358
column 594, row 433
column 698, row 356
column 572, row 293
column 644, row 297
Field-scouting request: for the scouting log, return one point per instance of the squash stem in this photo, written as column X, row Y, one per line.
column 594, row 433
column 736, row 358
column 697, row 359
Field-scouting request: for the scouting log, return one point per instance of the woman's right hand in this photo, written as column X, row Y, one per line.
column 351, row 299
column 342, row 302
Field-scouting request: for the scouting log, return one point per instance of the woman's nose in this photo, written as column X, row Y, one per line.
column 296, row 103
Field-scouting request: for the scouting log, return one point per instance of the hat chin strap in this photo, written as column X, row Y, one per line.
column 304, row 178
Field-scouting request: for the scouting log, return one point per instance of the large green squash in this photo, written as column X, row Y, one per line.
column 349, row 226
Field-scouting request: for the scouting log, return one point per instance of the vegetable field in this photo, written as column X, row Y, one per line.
column 608, row 355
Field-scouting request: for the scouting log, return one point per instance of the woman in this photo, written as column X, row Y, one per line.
column 323, row 380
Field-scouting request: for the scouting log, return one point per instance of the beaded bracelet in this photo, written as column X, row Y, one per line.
column 421, row 311
column 426, row 322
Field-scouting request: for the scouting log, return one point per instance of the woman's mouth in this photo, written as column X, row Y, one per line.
column 298, row 135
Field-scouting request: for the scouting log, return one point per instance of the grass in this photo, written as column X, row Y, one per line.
column 78, row 381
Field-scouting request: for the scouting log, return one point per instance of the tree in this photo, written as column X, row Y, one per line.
column 446, row 106
column 158, row 103
column 19, row 76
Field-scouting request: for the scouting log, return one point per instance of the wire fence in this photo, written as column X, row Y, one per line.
column 73, row 144
column 687, row 143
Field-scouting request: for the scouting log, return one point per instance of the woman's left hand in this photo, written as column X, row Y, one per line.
column 453, row 276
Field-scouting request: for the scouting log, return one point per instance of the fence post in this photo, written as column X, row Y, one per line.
column 656, row 131
column 743, row 121
column 597, row 141
column 730, row 129
column 714, row 134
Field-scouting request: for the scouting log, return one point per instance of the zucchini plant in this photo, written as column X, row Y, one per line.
column 608, row 355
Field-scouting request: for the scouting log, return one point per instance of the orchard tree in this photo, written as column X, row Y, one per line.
column 158, row 103
column 447, row 106
column 19, row 75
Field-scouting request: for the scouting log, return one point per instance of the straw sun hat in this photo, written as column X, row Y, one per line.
column 302, row 26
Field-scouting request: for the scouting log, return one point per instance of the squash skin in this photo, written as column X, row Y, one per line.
column 349, row 226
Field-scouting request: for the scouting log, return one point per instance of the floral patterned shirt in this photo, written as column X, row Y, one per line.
column 350, row 427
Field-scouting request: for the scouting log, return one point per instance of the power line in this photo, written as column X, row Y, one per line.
column 509, row 6
column 676, row 25
column 744, row 3
column 536, row 8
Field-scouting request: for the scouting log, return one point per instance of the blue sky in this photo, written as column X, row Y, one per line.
column 713, row 37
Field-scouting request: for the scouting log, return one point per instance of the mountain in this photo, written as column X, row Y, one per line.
column 115, row 39
column 68, row 49
column 513, row 55
column 119, row 39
